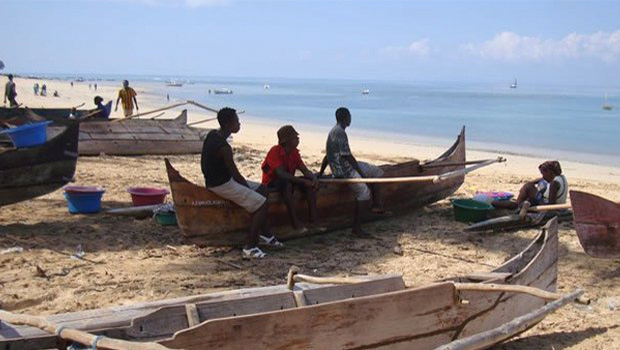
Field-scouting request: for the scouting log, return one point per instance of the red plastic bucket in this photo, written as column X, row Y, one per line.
column 147, row 195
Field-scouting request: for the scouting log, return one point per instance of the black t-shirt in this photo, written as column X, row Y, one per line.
column 213, row 167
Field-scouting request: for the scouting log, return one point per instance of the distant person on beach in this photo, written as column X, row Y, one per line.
column 343, row 165
column 35, row 89
column 103, row 111
column 95, row 86
column 223, row 178
column 552, row 188
column 71, row 83
column 10, row 92
column 279, row 174
column 43, row 90
column 168, row 97
column 56, row 93
column 128, row 96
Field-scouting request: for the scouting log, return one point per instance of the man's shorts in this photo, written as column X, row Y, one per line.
column 361, row 190
column 244, row 197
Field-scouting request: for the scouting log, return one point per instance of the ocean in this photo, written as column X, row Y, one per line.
column 561, row 122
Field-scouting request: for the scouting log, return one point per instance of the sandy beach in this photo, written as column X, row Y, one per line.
column 137, row 260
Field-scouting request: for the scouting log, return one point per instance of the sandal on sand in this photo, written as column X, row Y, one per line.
column 254, row 252
column 271, row 241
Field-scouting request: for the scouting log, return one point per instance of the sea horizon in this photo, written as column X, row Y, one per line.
column 543, row 120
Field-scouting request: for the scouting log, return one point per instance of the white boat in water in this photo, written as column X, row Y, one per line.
column 607, row 106
column 514, row 85
column 222, row 91
column 365, row 91
column 174, row 83
column 266, row 87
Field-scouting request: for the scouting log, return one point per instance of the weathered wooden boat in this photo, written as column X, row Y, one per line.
column 128, row 136
column 47, row 113
column 375, row 312
column 27, row 173
column 207, row 219
column 597, row 222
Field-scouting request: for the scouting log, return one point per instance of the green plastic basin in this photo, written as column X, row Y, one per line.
column 469, row 210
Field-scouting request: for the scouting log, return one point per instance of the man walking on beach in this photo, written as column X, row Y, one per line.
column 128, row 96
column 10, row 92
column 344, row 165
column 223, row 178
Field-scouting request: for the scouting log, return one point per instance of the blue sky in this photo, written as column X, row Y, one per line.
column 544, row 42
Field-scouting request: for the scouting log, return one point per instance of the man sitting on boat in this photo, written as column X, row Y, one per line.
column 223, row 178
column 343, row 165
column 103, row 111
column 552, row 188
column 279, row 174
column 128, row 96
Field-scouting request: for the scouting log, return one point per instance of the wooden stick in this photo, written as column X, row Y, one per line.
column 209, row 108
column 154, row 111
column 466, row 171
column 97, row 342
column 509, row 329
column 490, row 287
column 433, row 178
column 202, row 121
column 80, row 105
column 440, row 165
column 549, row 207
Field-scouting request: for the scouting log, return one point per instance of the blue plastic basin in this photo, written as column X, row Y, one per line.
column 28, row 135
column 84, row 202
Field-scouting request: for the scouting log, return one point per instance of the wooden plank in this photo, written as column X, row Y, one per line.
column 192, row 315
column 369, row 322
column 108, row 136
column 340, row 292
column 136, row 147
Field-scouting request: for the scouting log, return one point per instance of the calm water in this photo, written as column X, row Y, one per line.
column 549, row 121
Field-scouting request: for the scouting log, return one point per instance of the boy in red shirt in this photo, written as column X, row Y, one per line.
column 279, row 173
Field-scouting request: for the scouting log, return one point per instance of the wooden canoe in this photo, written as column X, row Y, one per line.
column 597, row 222
column 125, row 137
column 207, row 219
column 31, row 172
column 378, row 312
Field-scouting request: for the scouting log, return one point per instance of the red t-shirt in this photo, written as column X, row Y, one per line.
column 277, row 157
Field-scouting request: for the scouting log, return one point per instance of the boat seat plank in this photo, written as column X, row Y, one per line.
column 109, row 136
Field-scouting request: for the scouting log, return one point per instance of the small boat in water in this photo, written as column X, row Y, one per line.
column 473, row 311
column 606, row 106
column 174, row 83
column 514, row 85
column 222, row 91
column 365, row 91
column 26, row 173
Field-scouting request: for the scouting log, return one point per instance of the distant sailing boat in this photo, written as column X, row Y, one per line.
column 514, row 85
column 607, row 106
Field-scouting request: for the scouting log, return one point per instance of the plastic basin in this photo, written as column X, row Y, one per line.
column 83, row 199
column 147, row 195
column 469, row 210
column 28, row 135
column 166, row 219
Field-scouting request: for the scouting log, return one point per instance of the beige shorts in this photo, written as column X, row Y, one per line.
column 361, row 190
column 244, row 197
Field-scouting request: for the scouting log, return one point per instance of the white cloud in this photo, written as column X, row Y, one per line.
column 512, row 47
column 419, row 48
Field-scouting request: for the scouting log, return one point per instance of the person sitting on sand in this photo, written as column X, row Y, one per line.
column 223, row 178
column 128, row 96
column 43, row 90
column 10, row 92
column 552, row 188
column 344, row 165
column 103, row 110
column 279, row 174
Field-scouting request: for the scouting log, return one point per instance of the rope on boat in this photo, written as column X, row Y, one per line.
column 426, row 178
column 96, row 341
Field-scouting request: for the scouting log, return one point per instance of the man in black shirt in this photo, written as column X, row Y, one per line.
column 223, row 178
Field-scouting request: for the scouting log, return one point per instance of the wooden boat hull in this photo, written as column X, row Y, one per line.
column 31, row 172
column 207, row 219
column 597, row 222
column 379, row 313
column 130, row 137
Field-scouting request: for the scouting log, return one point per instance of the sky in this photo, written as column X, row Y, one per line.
column 545, row 42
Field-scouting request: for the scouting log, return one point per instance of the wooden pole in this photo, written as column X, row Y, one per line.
column 490, row 287
column 209, row 108
column 80, row 105
column 202, row 121
column 441, row 165
column 509, row 329
column 432, row 178
column 97, row 342
column 549, row 207
column 153, row 111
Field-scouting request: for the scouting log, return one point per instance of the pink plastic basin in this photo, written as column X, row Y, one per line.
column 147, row 195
